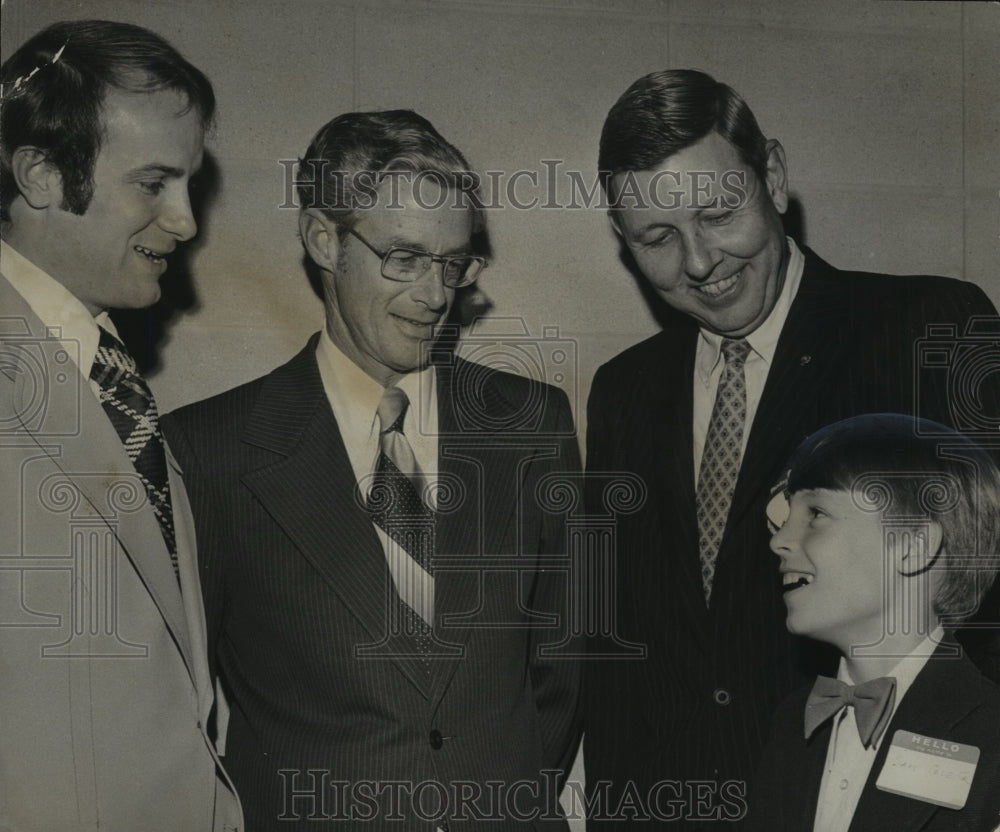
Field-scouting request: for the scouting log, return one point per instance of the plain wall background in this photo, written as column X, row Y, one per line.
column 887, row 111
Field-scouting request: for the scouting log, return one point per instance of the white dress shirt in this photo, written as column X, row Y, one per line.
column 64, row 316
column 848, row 762
column 708, row 361
column 354, row 398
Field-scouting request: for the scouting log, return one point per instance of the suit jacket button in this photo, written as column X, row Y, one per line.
column 721, row 696
column 436, row 739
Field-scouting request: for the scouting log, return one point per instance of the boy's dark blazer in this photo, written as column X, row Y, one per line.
column 296, row 580
column 949, row 700
column 698, row 706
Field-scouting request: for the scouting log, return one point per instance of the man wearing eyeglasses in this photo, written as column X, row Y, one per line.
column 383, row 587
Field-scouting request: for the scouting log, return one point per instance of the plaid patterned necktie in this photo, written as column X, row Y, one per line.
column 395, row 503
column 720, row 462
column 130, row 406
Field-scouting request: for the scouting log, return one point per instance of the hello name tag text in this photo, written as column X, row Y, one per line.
column 926, row 768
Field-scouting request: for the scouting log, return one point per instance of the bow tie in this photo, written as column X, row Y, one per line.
column 872, row 703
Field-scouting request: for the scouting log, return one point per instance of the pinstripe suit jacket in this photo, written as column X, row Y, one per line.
column 297, row 585
column 697, row 707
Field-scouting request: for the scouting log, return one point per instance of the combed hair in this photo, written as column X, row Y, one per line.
column 57, row 105
column 353, row 153
column 667, row 111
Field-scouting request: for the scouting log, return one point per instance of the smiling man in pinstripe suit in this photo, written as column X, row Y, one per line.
column 372, row 524
column 763, row 344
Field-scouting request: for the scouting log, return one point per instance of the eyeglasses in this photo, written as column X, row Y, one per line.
column 407, row 264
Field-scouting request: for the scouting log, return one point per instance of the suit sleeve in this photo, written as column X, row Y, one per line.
column 555, row 679
column 202, row 507
column 607, row 727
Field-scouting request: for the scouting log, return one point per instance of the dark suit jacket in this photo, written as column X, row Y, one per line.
column 296, row 584
column 949, row 700
column 698, row 705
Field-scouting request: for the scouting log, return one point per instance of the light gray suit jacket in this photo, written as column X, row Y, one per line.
column 104, row 685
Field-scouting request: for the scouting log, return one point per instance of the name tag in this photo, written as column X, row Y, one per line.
column 925, row 768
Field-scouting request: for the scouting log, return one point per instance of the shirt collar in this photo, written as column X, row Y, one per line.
column 354, row 395
column 63, row 315
column 764, row 339
column 906, row 669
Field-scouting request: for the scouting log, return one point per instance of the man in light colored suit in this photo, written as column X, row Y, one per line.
column 105, row 692
column 382, row 539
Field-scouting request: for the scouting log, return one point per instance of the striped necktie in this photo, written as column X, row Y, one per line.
column 395, row 498
column 395, row 503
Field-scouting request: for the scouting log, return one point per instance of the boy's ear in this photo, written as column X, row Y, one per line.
column 37, row 179
column 920, row 548
column 320, row 238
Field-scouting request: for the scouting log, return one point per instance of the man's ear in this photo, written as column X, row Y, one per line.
column 37, row 179
column 319, row 236
column 777, row 175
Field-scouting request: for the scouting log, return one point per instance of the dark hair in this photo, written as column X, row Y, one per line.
column 665, row 112
column 911, row 467
column 353, row 153
column 54, row 88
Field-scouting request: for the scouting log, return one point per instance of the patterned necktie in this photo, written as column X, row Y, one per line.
column 872, row 702
column 130, row 406
column 395, row 504
column 720, row 462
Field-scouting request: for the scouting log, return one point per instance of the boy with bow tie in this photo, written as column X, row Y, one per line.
column 887, row 529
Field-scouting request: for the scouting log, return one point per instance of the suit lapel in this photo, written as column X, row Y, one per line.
column 94, row 461
column 473, row 462
column 935, row 715
column 792, row 771
column 311, row 492
column 808, row 358
column 665, row 414
column 676, row 448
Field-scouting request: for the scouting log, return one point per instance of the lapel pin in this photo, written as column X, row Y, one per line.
column 805, row 359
